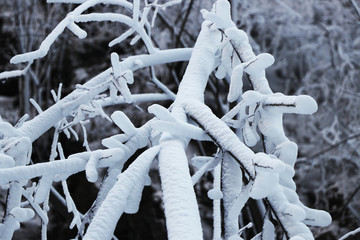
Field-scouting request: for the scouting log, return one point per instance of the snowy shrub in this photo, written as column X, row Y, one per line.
column 254, row 161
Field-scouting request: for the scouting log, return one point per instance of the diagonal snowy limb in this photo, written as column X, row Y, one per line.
column 44, row 121
column 349, row 234
column 122, row 37
column 104, row 223
column 181, row 209
column 221, row 134
column 136, row 142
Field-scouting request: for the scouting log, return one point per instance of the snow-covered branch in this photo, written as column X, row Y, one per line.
column 241, row 170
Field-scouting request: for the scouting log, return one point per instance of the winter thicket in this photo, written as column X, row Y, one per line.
column 210, row 118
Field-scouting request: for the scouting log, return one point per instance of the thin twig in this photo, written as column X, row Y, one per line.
column 241, row 60
column 182, row 27
column 356, row 7
column 349, row 200
column 277, row 218
column 331, row 147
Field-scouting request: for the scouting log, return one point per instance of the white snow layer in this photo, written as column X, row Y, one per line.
column 168, row 123
column 217, row 202
column 221, row 134
column 181, row 209
column 115, row 203
column 232, row 190
column 44, row 121
column 124, row 123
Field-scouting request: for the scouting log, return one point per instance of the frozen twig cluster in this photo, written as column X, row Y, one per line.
column 239, row 172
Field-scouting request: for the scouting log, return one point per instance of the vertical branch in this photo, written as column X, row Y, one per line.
column 217, row 204
column 231, row 186
column 181, row 209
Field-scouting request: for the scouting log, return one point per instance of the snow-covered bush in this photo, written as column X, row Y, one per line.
column 254, row 160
